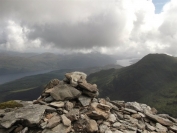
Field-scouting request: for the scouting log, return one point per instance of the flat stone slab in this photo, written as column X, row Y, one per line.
column 174, row 128
column 134, row 105
column 30, row 112
column 130, row 110
column 88, row 86
column 158, row 119
column 58, row 104
column 63, row 92
column 60, row 128
column 90, row 94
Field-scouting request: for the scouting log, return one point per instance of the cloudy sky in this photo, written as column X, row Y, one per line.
column 123, row 27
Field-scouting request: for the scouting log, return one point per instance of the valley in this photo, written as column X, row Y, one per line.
column 152, row 80
column 34, row 84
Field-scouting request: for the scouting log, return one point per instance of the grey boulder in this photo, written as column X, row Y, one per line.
column 33, row 114
column 63, row 92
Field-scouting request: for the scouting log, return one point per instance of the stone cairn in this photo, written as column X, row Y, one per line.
column 72, row 106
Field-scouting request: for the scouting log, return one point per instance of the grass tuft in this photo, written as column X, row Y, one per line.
column 10, row 104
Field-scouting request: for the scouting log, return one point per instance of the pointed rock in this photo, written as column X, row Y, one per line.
column 52, row 83
column 85, row 101
column 65, row 120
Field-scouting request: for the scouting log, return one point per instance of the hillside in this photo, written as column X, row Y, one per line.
column 73, row 106
column 21, row 88
column 152, row 80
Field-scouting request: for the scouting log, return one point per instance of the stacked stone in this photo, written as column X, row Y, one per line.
column 72, row 87
column 72, row 106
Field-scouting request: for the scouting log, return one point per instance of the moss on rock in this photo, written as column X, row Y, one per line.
column 10, row 104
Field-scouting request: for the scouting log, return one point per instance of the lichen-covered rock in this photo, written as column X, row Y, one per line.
column 74, row 77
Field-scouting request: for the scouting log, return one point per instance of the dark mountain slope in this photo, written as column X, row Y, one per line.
column 152, row 80
column 30, row 87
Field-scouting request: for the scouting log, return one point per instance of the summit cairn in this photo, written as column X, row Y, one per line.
column 73, row 106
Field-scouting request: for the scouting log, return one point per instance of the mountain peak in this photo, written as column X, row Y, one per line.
column 158, row 59
column 152, row 80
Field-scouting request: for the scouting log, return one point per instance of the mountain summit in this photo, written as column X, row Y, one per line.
column 152, row 80
column 72, row 106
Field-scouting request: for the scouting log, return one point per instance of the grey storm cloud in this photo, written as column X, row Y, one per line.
column 69, row 24
column 109, row 26
column 98, row 31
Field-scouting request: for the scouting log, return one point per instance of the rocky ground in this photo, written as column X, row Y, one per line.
column 72, row 106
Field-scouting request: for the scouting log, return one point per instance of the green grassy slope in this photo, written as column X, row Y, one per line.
column 28, row 88
column 152, row 80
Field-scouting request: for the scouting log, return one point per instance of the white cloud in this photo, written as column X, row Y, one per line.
column 16, row 39
column 123, row 27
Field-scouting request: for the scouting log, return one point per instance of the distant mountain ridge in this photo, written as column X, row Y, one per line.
column 152, row 80
column 19, row 63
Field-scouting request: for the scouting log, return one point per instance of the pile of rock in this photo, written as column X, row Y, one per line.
column 72, row 106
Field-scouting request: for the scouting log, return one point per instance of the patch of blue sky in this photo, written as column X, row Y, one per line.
column 159, row 5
